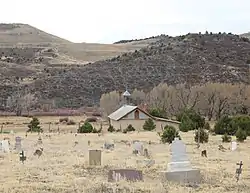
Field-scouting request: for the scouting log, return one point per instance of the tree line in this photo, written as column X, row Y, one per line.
column 212, row 100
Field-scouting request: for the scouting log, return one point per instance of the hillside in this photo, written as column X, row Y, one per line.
column 12, row 34
column 192, row 58
column 247, row 35
column 28, row 54
column 24, row 36
column 64, row 72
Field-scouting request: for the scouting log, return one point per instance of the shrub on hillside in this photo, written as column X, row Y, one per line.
column 230, row 125
column 221, row 125
column 65, row 119
column 169, row 133
column 71, row 122
column 157, row 112
column 203, row 136
column 226, row 138
column 186, row 124
column 96, row 114
column 190, row 120
column 207, row 126
column 128, row 129
column 85, row 128
column 97, row 130
column 241, row 135
column 91, row 119
column 195, row 117
column 242, row 122
column 149, row 125
column 34, row 125
column 111, row 129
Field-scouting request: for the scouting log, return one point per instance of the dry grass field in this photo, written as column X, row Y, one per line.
column 64, row 167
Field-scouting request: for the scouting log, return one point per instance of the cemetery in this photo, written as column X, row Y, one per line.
column 59, row 160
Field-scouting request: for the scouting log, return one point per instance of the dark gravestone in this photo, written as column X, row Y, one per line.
column 124, row 174
column 22, row 156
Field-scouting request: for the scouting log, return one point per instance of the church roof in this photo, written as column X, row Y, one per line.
column 126, row 109
column 121, row 112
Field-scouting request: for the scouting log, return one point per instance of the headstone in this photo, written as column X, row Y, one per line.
column 238, row 170
column 22, row 156
column 125, row 174
column 110, row 146
column 95, row 157
column 18, row 144
column 180, row 169
column 138, row 147
column 234, row 145
column 39, row 141
column 4, row 147
column 146, row 153
column 146, row 162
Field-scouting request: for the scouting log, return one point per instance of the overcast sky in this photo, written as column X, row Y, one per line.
column 106, row 21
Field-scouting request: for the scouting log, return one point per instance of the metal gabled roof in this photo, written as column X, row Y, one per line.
column 121, row 112
column 126, row 94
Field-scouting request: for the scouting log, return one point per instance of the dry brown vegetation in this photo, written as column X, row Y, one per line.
column 26, row 36
column 64, row 167
column 56, row 71
column 192, row 59
column 211, row 100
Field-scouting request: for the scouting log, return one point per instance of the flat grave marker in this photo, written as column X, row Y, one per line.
column 133, row 175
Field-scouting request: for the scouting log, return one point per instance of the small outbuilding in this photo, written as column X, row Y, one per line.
column 127, row 114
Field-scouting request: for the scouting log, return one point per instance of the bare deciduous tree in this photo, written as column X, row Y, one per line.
column 29, row 100
column 212, row 100
column 18, row 102
column 138, row 97
column 110, row 102
column 14, row 103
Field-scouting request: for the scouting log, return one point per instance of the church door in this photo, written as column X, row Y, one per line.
column 136, row 114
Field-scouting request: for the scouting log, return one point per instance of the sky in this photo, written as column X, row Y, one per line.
column 107, row 21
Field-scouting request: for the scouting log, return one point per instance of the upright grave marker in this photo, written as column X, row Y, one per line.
column 180, row 169
column 138, row 148
column 22, row 156
column 39, row 141
column 239, row 170
column 234, row 145
column 4, row 146
column 95, row 157
column 18, row 144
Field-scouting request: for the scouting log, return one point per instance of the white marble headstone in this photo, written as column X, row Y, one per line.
column 234, row 145
column 139, row 147
column 179, row 158
column 5, row 146
column 178, row 150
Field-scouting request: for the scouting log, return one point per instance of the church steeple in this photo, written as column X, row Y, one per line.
column 126, row 96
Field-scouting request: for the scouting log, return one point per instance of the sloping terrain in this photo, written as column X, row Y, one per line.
column 11, row 34
column 25, row 36
column 193, row 58
column 247, row 35
column 28, row 54
column 63, row 71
